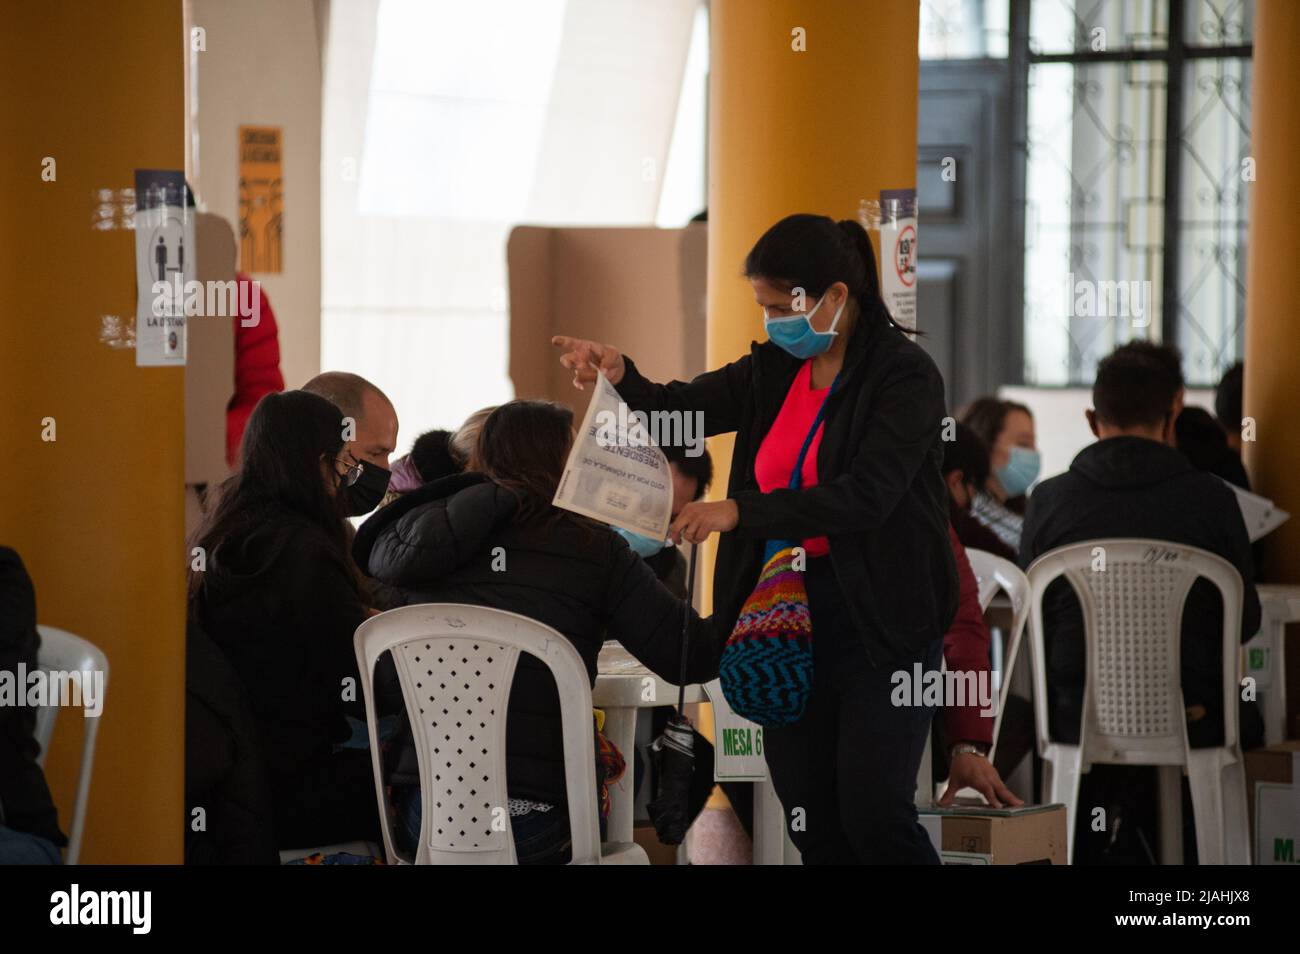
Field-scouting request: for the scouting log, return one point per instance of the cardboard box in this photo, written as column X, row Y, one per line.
column 640, row 289
column 643, row 833
column 1273, row 801
column 979, row 835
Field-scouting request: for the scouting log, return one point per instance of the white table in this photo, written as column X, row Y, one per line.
column 1280, row 603
column 624, row 685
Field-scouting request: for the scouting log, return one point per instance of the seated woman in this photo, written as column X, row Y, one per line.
column 1007, row 430
column 436, row 545
column 281, row 598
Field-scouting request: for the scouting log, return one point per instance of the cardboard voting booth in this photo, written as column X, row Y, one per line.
column 209, row 370
column 980, row 835
column 641, row 289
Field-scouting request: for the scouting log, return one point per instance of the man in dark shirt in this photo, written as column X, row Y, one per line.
column 1133, row 483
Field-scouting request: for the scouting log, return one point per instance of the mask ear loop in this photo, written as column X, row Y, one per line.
column 836, row 320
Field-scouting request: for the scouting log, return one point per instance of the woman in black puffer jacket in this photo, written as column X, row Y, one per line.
column 439, row 544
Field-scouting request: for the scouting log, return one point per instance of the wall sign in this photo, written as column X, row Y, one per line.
column 260, row 198
column 164, row 263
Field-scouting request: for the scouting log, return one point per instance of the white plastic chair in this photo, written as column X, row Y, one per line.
column 993, row 573
column 61, row 651
column 455, row 664
column 1133, row 711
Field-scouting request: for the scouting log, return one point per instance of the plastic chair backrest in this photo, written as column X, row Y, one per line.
column 1132, row 594
column 62, row 652
column 994, row 573
column 455, row 664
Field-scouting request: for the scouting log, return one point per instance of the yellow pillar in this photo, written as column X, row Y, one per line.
column 812, row 108
column 96, row 513
column 1272, row 391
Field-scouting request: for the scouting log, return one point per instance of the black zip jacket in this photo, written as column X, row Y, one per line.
column 435, row 545
column 1139, row 488
column 880, row 499
column 25, row 802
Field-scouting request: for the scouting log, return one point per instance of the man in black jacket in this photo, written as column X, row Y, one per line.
column 1133, row 483
column 29, row 824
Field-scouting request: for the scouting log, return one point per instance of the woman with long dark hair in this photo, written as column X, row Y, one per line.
column 841, row 388
column 279, row 595
column 1007, row 430
column 491, row 537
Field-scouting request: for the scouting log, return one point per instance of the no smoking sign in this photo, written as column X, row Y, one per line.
column 905, row 256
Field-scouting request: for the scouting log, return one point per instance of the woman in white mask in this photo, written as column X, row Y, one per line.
column 837, row 419
column 1007, row 429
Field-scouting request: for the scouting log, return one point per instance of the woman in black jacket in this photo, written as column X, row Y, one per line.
column 492, row 538
column 281, row 598
column 872, row 515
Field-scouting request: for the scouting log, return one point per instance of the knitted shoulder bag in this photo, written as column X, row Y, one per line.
column 767, row 663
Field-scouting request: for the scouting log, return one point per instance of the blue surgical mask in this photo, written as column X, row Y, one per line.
column 641, row 545
column 1020, row 471
column 797, row 335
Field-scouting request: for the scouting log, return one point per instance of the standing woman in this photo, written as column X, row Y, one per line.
column 871, row 514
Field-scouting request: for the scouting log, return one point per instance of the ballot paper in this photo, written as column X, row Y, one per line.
column 1261, row 516
column 614, row 473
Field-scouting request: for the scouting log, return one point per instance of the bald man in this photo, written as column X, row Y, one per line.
column 370, row 421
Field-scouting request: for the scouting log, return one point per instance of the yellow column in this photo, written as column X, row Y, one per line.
column 1272, row 393
column 812, row 108
column 96, row 513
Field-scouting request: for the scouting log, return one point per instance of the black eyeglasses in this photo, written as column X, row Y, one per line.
column 353, row 472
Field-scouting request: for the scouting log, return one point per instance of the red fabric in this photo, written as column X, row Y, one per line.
column 257, row 365
column 776, row 455
column 966, row 649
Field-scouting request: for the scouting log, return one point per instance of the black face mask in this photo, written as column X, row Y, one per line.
column 364, row 494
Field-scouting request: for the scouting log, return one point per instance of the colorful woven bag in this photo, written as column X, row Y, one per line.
column 767, row 664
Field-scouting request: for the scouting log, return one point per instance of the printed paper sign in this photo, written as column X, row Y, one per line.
column 1277, row 820
column 1261, row 516
column 737, row 742
column 614, row 473
column 898, row 254
column 164, row 259
column 260, row 198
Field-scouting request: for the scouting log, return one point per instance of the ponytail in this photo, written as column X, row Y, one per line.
column 813, row 252
column 868, row 293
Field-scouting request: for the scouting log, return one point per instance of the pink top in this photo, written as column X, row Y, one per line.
column 780, row 447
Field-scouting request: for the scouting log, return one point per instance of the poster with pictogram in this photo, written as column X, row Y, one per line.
column 164, row 264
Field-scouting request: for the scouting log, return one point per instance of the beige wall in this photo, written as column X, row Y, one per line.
column 262, row 66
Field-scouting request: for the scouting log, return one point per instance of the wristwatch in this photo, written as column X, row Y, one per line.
column 967, row 748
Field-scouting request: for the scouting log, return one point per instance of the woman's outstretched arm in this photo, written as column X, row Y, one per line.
column 718, row 396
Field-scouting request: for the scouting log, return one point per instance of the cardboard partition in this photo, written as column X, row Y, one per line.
column 210, row 359
column 1032, row 835
column 209, row 369
column 639, row 289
